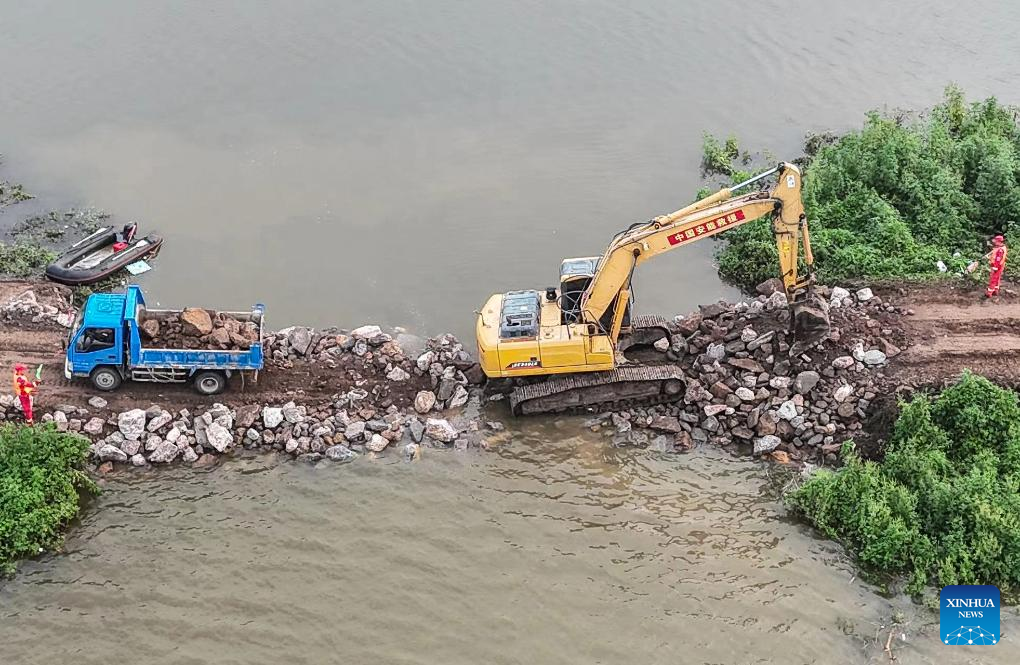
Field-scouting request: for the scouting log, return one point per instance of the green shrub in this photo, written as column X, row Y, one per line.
column 41, row 473
column 24, row 259
column 895, row 197
column 944, row 504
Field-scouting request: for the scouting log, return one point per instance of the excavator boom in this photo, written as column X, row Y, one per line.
column 609, row 290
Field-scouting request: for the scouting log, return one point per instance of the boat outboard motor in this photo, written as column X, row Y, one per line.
column 125, row 236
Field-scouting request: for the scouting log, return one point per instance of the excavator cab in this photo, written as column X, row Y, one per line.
column 575, row 277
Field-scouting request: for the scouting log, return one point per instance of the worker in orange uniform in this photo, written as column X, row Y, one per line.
column 24, row 388
column 997, row 262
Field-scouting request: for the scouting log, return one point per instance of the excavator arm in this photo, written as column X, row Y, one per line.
column 605, row 300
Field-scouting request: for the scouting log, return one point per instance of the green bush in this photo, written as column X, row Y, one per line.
column 895, row 197
column 24, row 259
column 944, row 504
column 41, row 473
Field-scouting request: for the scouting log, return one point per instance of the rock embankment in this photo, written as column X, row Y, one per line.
column 745, row 390
column 361, row 419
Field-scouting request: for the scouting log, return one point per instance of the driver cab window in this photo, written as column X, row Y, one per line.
column 96, row 339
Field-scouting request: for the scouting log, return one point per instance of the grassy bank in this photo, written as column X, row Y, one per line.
column 41, row 475
column 894, row 198
column 943, row 506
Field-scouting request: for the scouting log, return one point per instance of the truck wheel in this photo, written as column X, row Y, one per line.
column 105, row 378
column 210, row 383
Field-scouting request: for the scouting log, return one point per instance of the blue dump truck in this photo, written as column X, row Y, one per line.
column 105, row 345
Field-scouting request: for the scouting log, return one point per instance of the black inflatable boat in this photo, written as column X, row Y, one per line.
column 102, row 254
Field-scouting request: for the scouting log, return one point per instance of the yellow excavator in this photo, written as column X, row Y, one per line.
column 562, row 349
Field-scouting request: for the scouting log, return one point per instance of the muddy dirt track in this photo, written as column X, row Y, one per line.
column 952, row 328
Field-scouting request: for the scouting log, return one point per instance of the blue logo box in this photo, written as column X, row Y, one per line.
column 969, row 614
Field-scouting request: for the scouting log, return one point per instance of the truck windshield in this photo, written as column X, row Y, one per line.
column 78, row 318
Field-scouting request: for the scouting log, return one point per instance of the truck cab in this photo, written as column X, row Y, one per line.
column 97, row 339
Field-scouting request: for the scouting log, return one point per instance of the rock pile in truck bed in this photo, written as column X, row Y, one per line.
column 197, row 328
column 743, row 388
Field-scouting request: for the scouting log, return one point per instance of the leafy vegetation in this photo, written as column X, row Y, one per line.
column 12, row 193
column 895, row 197
column 41, row 473
column 24, row 259
column 944, row 504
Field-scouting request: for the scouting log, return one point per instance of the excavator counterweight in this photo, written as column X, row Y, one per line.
column 562, row 348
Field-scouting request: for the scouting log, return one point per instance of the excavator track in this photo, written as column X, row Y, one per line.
column 624, row 387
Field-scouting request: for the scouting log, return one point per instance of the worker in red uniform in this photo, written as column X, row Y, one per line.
column 24, row 388
column 997, row 262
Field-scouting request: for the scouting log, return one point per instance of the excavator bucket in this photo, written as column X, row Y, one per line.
column 810, row 322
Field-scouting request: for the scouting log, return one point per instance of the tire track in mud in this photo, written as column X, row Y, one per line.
column 952, row 330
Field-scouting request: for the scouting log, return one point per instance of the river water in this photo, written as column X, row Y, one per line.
column 553, row 549
column 396, row 162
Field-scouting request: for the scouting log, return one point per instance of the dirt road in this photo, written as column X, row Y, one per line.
column 953, row 328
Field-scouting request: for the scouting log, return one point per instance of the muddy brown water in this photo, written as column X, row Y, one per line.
column 554, row 549
column 396, row 162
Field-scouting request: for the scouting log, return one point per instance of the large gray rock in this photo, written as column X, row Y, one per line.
column 110, row 453
column 355, row 431
column 159, row 421
column 460, row 397
column 716, row 351
column 189, row 455
column 766, row 444
column 843, row 393
column 806, row 381
column 247, row 415
column 300, row 339
column 843, row 362
column 132, row 424
column 425, row 360
column 131, row 447
column 219, row 437
column 424, row 401
column 838, row 295
column 787, row 410
column 97, row 402
column 777, row 300
column 779, row 382
column 398, row 374
column 714, row 409
column 340, row 453
column 377, row 443
column 293, row 414
column 417, row 430
column 272, row 416
column 745, row 394
column 164, row 453
column 138, row 459
column 367, row 332
column 746, row 364
column 94, row 426
column 440, row 430
column 666, row 424
column 865, row 294
column 873, row 357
